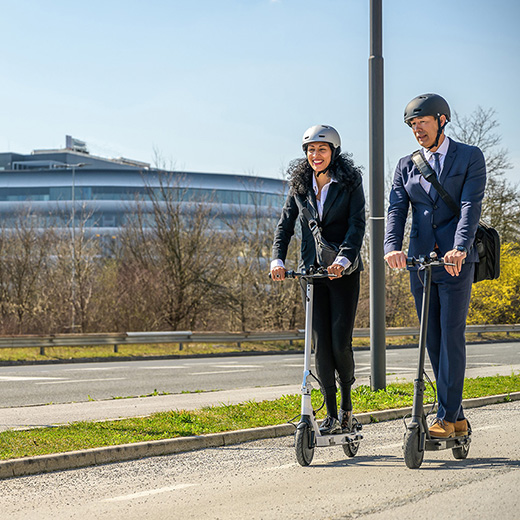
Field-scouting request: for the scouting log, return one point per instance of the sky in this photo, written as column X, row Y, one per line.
column 231, row 85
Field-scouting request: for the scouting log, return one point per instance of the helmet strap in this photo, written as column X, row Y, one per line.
column 439, row 133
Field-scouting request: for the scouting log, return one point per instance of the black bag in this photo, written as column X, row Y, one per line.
column 326, row 252
column 487, row 239
column 487, row 242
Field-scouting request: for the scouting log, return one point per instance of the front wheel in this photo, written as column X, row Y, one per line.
column 303, row 444
column 413, row 456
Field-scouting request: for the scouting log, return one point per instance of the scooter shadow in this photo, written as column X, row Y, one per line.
column 427, row 465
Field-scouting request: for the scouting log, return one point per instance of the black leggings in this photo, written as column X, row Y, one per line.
column 334, row 312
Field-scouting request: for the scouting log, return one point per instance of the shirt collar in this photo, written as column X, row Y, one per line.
column 315, row 184
column 442, row 150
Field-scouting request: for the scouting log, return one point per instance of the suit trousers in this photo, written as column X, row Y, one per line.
column 334, row 312
column 446, row 333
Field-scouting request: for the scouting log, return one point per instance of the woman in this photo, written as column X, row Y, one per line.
column 329, row 185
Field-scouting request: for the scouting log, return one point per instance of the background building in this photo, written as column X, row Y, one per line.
column 57, row 186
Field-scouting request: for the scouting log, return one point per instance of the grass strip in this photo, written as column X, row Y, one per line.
column 250, row 414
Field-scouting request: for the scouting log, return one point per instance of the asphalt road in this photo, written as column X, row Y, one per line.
column 64, row 383
column 261, row 480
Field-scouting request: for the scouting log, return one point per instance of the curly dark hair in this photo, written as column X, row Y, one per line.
column 343, row 170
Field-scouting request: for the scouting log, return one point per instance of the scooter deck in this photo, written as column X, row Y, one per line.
column 444, row 444
column 337, row 439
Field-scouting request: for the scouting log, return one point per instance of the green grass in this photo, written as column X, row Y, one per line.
column 167, row 425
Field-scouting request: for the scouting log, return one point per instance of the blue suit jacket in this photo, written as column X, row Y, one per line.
column 433, row 222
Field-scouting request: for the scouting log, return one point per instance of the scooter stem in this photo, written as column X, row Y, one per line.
column 419, row 387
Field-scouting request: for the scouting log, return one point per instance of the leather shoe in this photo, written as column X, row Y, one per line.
column 441, row 429
column 461, row 427
column 330, row 426
column 345, row 420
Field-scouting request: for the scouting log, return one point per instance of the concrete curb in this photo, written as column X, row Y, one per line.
column 126, row 452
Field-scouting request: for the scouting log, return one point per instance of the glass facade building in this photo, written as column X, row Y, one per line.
column 54, row 184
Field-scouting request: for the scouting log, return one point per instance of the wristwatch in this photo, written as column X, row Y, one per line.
column 461, row 249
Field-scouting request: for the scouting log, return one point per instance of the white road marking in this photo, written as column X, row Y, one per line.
column 82, row 381
column 218, row 372
column 238, row 366
column 159, row 368
column 283, row 466
column 93, row 369
column 148, row 493
column 28, row 378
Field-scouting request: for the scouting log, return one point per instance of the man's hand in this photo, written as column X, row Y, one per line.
column 454, row 257
column 278, row 274
column 396, row 259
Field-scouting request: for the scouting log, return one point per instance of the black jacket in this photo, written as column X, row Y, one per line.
column 343, row 221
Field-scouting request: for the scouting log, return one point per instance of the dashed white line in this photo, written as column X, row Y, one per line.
column 148, row 493
column 218, row 372
column 82, row 381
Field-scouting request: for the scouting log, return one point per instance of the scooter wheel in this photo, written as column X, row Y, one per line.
column 460, row 452
column 351, row 448
column 413, row 457
column 304, row 448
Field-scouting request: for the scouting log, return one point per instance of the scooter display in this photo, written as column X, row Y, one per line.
column 308, row 435
column 417, row 438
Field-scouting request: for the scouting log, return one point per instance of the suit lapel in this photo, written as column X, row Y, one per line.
column 312, row 204
column 331, row 197
column 448, row 163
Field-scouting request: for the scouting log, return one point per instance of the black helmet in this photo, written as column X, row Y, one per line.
column 427, row 105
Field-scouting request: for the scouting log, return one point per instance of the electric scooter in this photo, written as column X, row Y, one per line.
column 417, row 437
column 308, row 435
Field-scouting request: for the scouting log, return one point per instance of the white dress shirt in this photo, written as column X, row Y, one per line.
column 442, row 151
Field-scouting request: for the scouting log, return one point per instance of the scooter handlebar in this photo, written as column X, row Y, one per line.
column 319, row 272
column 426, row 260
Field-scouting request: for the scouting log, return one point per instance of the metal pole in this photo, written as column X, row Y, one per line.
column 73, row 280
column 376, row 198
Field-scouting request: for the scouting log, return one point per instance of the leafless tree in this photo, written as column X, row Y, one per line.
column 500, row 207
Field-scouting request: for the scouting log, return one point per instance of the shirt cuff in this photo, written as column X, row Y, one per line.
column 343, row 261
column 277, row 263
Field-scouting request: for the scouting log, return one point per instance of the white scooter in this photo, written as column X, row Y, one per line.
column 308, row 435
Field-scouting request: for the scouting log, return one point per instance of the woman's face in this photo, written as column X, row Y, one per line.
column 319, row 156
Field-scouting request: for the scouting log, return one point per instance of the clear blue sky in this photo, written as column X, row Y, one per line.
column 230, row 85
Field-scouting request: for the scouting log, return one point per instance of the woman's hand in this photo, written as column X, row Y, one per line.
column 336, row 270
column 278, row 274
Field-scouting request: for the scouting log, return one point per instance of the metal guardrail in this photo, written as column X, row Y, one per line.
column 182, row 337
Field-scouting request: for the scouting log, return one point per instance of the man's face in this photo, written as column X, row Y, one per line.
column 425, row 129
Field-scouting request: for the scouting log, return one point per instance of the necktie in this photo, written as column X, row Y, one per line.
column 437, row 170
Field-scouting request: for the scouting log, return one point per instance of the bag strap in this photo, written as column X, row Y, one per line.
column 313, row 223
column 429, row 174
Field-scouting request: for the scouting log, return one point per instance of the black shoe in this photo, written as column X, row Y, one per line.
column 345, row 421
column 330, row 426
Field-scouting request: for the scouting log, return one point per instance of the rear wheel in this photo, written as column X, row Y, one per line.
column 413, row 457
column 461, row 452
column 351, row 448
column 303, row 445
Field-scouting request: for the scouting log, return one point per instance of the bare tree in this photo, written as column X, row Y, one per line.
column 172, row 241
column 500, row 207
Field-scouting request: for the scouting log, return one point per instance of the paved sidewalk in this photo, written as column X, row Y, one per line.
column 55, row 414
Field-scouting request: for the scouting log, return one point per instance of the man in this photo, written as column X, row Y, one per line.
column 461, row 170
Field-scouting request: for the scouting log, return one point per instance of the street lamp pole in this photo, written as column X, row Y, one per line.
column 377, row 219
column 73, row 239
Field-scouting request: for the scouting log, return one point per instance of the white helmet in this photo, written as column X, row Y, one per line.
column 323, row 134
